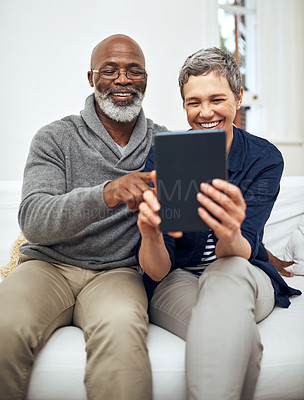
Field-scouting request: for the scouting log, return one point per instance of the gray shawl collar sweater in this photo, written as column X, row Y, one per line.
column 62, row 213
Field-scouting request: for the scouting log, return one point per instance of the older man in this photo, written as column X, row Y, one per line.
column 78, row 265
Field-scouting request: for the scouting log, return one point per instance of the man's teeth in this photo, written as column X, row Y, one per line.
column 210, row 124
column 122, row 94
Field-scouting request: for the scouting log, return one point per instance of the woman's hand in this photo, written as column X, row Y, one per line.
column 148, row 219
column 224, row 212
column 153, row 255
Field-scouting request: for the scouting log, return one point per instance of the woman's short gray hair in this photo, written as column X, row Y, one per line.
column 211, row 59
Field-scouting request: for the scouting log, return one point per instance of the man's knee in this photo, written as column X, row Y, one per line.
column 118, row 332
column 126, row 317
column 16, row 342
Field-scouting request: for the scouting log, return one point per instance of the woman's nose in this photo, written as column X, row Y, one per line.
column 206, row 110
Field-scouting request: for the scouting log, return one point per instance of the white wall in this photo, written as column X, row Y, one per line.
column 280, row 54
column 45, row 56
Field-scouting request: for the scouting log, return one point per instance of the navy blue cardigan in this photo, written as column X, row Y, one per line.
column 255, row 166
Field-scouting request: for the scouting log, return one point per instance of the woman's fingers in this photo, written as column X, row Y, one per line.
column 176, row 235
column 224, row 201
column 232, row 216
column 148, row 215
column 212, row 222
column 223, row 207
column 153, row 177
column 150, row 198
column 223, row 229
column 233, row 192
column 223, row 192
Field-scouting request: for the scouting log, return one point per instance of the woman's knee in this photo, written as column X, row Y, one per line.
column 229, row 275
column 233, row 268
column 231, row 264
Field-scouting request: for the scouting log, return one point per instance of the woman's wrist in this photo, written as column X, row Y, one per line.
column 236, row 246
column 154, row 239
column 154, row 257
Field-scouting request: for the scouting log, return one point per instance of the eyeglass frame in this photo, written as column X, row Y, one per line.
column 119, row 71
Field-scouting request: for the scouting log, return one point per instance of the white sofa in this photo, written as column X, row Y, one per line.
column 59, row 368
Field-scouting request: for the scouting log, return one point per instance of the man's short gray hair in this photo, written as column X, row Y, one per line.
column 208, row 60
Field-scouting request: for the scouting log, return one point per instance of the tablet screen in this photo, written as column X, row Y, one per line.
column 183, row 160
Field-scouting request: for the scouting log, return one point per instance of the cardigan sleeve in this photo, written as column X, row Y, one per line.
column 260, row 193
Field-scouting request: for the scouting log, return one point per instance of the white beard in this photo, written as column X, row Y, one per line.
column 122, row 112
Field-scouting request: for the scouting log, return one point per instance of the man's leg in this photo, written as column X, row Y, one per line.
column 112, row 311
column 34, row 300
column 223, row 344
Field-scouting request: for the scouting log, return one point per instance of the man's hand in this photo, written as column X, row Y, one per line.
column 128, row 189
column 280, row 264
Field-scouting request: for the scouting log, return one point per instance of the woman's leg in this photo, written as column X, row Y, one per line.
column 173, row 300
column 34, row 300
column 223, row 344
column 112, row 311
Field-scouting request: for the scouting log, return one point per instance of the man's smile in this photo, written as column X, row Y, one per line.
column 122, row 96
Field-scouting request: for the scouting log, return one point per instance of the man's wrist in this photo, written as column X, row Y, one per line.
column 107, row 195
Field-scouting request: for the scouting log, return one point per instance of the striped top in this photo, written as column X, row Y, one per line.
column 207, row 258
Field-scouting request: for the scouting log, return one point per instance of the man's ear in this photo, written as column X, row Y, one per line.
column 90, row 78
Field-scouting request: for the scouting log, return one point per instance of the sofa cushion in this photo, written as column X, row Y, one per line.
column 58, row 372
column 294, row 250
column 286, row 214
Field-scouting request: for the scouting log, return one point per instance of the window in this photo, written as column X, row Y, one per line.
column 237, row 21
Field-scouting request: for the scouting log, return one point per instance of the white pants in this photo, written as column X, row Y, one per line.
column 217, row 315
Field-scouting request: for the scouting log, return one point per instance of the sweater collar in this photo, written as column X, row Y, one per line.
column 90, row 117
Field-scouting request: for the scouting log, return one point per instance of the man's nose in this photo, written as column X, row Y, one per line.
column 122, row 78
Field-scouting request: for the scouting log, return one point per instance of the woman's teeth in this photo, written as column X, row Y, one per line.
column 210, row 124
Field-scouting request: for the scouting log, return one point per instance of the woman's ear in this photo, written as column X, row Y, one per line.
column 239, row 99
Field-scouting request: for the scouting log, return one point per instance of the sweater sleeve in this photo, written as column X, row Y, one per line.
column 48, row 213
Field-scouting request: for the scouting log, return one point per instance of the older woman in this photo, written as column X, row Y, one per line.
column 215, row 286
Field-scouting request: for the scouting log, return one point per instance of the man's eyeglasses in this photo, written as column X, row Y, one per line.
column 112, row 73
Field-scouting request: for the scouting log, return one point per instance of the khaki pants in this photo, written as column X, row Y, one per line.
column 217, row 315
column 109, row 306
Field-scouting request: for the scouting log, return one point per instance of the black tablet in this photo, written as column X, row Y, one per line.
column 183, row 160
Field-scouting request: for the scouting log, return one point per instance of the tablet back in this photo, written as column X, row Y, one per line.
column 183, row 160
